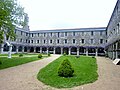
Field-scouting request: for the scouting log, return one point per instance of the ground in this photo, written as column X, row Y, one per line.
column 24, row 77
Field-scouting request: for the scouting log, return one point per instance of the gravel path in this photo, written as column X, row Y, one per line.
column 23, row 77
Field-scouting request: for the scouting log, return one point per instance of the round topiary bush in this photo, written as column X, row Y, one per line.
column 64, row 54
column 65, row 69
column 39, row 55
column 21, row 55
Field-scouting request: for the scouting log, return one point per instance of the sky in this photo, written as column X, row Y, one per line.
column 66, row 14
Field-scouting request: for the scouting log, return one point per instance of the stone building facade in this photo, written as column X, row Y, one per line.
column 86, row 41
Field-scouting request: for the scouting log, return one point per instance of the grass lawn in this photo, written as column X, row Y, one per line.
column 85, row 72
column 14, row 61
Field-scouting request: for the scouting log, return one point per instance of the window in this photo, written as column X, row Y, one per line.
column 101, row 41
column 101, row 33
column 91, row 41
column 65, row 40
column 31, row 41
column 58, row 41
column 38, row 34
column 51, row 34
column 73, row 33
column 65, row 33
column 32, row 34
column 82, row 33
column 20, row 40
column 44, row 34
column 91, row 33
column 21, row 32
column 50, row 41
column 26, row 34
column 58, row 34
column 83, row 41
column 26, row 40
column 37, row 41
column 73, row 40
column 44, row 41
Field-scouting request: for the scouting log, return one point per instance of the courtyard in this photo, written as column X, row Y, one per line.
column 24, row 77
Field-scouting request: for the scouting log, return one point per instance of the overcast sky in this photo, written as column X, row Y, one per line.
column 57, row 14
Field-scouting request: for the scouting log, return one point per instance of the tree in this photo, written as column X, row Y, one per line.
column 11, row 16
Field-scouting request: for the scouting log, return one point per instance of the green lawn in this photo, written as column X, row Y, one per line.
column 14, row 61
column 85, row 72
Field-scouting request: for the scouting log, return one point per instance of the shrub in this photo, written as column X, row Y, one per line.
column 48, row 54
column 39, row 55
column 93, row 57
column 77, row 56
column 0, row 62
column 65, row 69
column 21, row 55
column 64, row 54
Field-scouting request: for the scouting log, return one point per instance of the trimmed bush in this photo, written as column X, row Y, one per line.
column 77, row 56
column 65, row 69
column 39, row 55
column 48, row 54
column 20, row 55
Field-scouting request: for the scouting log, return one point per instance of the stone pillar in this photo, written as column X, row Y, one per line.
column 22, row 49
column 86, row 51
column 34, row 49
column 77, row 51
column 61, row 50
column 17, row 49
column 69, row 50
column 54, row 51
column 96, row 52
column 40, row 49
column 113, row 52
column 9, row 52
column 1, row 48
column 116, row 49
column 47, row 50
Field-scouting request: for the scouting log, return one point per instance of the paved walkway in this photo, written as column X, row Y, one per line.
column 23, row 77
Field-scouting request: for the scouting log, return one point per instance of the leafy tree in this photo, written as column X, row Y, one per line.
column 11, row 16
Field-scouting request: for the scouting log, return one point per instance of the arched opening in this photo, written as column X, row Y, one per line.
column 32, row 49
column 58, row 50
column 101, row 52
column 65, row 50
column 20, row 49
column 82, row 51
column 44, row 49
column 74, row 51
column 25, row 49
column 91, row 51
column 51, row 49
column 6, row 47
column 13, row 48
column 37, row 49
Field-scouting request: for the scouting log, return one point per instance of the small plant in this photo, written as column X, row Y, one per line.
column 21, row 55
column 77, row 56
column 64, row 54
column 0, row 62
column 49, row 54
column 65, row 69
column 39, row 55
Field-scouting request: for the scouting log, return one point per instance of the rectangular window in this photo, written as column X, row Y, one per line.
column 65, row 33
column 44, row 41
column 37, row 41
column 26, row 34
column 73, row 33
column 31, row 41
column 44, row 34
column 26, row 41
column 101, row 33
column 50, row 41
column 58, row 34
column 21, row 32
column 91, row 41
column 101, row 41
column 58, row 41
column 82, row 33
column 51, row 34
column 91, row 33
column 73, row 40
column 38, row 34
column 65, row 40
column 20, row 40
column 32, row 34
column 83, row 41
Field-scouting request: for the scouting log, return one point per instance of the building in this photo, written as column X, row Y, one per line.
column 86, row 41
